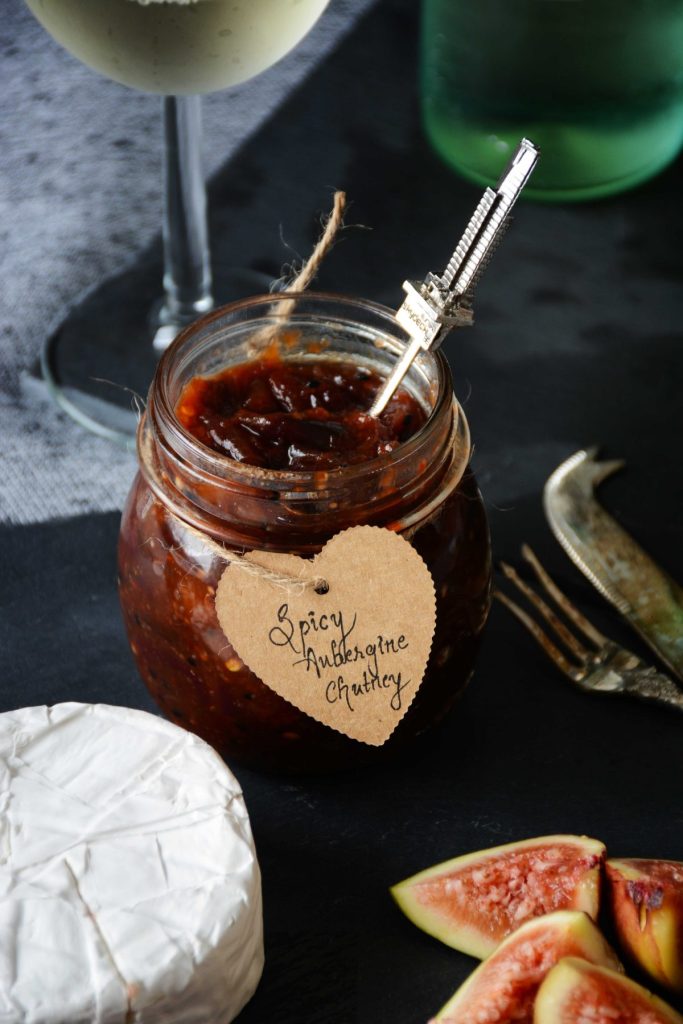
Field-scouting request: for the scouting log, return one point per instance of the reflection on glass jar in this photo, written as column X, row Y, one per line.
column 186, row 492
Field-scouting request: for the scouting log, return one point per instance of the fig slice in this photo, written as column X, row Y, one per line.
column 504, row 986
column 575, row 992
column 473, row 902
column 646, row 899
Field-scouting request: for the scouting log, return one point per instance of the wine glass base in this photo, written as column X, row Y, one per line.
column 100, row 361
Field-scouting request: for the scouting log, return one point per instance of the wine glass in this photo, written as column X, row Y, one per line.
column 179, row 49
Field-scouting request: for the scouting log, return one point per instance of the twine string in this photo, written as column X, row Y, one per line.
column 301, row 281
column 298, row 284
column 322, row 247
column 292, row 584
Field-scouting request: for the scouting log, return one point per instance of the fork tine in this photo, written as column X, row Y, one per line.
column 567, row 638
column 553, row 652
column 562, row 602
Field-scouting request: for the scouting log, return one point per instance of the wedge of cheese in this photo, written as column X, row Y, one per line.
column 129, row 884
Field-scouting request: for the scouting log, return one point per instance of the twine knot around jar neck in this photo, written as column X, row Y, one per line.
column 245, row 506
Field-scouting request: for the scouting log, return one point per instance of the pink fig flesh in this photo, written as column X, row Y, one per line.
column 576, row 992
column 503, row 988
column 473, row 902
column 646, row 899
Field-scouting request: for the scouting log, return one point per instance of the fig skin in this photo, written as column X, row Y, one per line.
column 575, row 990
column 504, row 986
column 523, row 882
column 646, row 900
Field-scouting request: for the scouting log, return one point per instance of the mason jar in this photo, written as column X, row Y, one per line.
column 187, row 499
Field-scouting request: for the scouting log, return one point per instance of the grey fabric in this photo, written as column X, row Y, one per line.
column 79, row 198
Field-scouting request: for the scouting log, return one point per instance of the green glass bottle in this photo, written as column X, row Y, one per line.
column 597, row 84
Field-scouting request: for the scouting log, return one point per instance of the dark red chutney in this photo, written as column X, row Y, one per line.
column 298, row 415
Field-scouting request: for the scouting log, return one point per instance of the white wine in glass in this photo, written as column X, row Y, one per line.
column 180, row 49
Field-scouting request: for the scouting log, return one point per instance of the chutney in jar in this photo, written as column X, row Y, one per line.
column 296, row 414
column 270, row 446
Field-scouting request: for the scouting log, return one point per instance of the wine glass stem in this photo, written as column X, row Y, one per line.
column 187, row 265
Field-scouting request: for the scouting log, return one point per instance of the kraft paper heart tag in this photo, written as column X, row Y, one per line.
column 352, row 657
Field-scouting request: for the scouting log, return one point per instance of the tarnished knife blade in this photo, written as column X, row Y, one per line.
column 611, row 559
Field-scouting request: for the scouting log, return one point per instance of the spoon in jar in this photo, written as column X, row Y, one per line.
column 431, row 309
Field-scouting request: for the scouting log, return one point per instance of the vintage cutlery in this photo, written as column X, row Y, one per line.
column 443, row 301
column 595, row 663
column 614, row 563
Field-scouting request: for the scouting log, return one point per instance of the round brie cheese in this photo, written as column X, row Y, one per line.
column 129, row 886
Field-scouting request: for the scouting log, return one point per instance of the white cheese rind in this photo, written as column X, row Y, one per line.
column 129, row 886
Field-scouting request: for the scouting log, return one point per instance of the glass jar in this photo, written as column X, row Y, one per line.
column 186, row 497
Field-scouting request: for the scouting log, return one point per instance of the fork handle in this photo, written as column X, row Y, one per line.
column 655, row 686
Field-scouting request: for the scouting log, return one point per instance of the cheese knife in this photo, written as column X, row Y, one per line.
column 610, row 558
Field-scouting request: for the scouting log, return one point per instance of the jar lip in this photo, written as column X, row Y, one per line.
column 216, row 466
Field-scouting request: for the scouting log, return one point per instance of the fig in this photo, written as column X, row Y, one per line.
column 646, row 898
column 575, row 991
column 473, row 902
column 504, row 986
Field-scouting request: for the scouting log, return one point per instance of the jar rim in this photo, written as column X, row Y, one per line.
column 215, row 466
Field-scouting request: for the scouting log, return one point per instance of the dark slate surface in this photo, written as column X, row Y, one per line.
column 578, row 341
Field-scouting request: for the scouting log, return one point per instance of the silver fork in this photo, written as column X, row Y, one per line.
column 604, row 667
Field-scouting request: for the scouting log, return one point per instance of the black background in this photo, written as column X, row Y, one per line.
column 578, row 341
